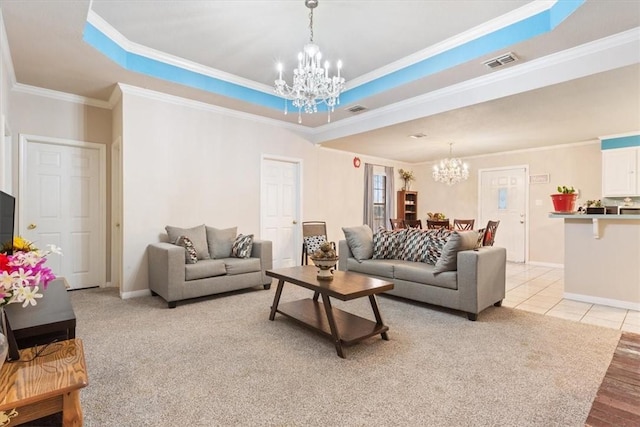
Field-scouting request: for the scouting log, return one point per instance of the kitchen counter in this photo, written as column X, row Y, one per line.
column 595, row 219
column 593, row 216
column 601, row 259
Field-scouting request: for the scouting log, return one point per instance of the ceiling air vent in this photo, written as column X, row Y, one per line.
column 356, row 109
column 501, row 60
column 417, row 135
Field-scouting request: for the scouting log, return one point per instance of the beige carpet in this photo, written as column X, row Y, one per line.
column 221, row 362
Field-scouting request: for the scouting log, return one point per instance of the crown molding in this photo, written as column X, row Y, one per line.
column 61, row 96
column 190, row 103
column 116, row 96
column 620, row 135
column 520, row 14
column 131, row 47
column 608, row 53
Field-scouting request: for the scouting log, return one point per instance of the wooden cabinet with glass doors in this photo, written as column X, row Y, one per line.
column 407, row 206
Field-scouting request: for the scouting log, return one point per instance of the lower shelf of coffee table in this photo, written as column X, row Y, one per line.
column 351, row 328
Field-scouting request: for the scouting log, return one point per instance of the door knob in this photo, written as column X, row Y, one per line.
column 295, row 222
column 31, row 226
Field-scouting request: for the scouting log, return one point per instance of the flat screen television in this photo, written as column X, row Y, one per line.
column 7, row 219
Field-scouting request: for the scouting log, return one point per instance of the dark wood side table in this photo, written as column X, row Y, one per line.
column 44, row 384
column 342, row 327
column 51, row 319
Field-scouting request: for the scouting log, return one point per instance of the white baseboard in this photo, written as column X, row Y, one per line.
column 135, row 294
column 545, row 264
column 628, row 305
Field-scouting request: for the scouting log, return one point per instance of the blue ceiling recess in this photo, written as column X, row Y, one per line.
column 621, row 142
column 517, row 32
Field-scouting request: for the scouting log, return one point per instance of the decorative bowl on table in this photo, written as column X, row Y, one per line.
column 325, row 259
column 326, row 267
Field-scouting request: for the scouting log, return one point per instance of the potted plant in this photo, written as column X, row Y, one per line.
column 407, row 176
column 565, row 200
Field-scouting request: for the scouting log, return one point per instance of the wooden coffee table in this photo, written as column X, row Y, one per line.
column 342, row 327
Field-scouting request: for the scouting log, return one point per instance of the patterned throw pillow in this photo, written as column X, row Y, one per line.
column 190, row 254
column 425, row 245
column 313, row 243
column 414, row 243
column 388, row 244
column 480, row 238
column 197, row 235
column 242, row 246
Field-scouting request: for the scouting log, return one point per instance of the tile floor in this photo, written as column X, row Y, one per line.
column 540, row 289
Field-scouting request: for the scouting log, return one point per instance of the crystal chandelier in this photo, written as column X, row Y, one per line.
column 311, row 82
column 451, row 170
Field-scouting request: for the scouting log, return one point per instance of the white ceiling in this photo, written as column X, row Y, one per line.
column 575, row 82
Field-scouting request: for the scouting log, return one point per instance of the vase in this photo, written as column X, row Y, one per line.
column 407, row 185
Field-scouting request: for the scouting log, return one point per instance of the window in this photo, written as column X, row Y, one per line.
column 379, row 200
column 378, row 197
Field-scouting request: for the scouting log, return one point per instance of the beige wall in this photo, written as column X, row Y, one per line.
column 44, row 116
column 185, row 166
column 6, row 170
column 575, row 164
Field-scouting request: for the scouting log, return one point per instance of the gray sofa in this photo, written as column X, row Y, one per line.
column 174, row 279
column 474, row 280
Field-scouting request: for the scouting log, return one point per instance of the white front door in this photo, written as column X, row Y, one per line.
column 280, row 201
column 503, row 197
column 62, row 202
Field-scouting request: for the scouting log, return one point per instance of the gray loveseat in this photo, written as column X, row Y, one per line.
column 453, row 273
column 175, row 277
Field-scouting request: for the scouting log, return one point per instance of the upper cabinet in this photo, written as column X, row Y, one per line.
column 621, row 172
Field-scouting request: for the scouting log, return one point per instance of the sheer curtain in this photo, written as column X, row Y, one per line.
column 368, row 194
column 389, row 187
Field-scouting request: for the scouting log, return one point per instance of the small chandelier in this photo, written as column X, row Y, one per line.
column 451, row 170
column 311, row 82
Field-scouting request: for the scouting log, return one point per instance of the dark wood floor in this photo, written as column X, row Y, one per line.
column 618, row 400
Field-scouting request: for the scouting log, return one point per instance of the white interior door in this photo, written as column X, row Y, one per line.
column 280, row 193
column 62, row 202
column 503, row 197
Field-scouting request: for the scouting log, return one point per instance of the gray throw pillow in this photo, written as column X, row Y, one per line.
column 459, row 241
column 220, row 241
column 197, row 235
column 360, row 241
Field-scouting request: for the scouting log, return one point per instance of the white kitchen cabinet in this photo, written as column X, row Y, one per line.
column 621, row 172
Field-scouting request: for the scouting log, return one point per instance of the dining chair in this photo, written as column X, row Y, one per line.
column 437, row 223
column 314, row 233
column 463, row 224
column 396, row 223
column 413, row 223
column 490, row 233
